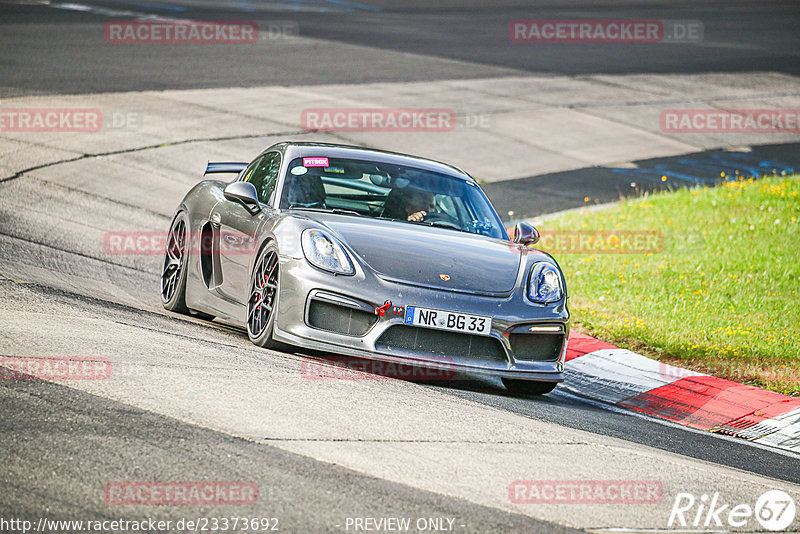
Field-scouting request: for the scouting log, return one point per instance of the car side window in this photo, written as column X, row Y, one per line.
column 263, row 174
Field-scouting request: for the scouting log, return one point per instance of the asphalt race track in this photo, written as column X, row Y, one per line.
column 191, row 400
column 455, row 39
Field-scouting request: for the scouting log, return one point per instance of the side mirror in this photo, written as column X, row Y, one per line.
column 244, row 193
column 525, row 234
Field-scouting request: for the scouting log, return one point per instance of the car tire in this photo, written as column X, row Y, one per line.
column 173, row 272
column 262, row 302
column 528, row 387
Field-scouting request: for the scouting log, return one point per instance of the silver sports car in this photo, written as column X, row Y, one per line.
column 369, row 254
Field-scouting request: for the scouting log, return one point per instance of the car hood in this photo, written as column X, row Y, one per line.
column 429, row 256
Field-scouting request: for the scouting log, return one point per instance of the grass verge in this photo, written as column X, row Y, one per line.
column 703, row 278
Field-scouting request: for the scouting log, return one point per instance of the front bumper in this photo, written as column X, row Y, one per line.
column 513, row 349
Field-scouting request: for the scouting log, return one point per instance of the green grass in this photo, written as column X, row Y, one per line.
column 720, row 297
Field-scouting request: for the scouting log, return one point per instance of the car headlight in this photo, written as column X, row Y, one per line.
column 544, row 284
column 325, row 252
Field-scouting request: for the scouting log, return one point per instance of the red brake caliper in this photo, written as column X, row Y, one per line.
column 262, row 296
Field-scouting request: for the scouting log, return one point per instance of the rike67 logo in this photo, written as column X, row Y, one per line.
column 774, row 511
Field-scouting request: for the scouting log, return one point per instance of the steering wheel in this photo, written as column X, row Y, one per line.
column 440, row 219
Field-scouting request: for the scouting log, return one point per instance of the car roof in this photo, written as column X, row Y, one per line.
column 309, row 149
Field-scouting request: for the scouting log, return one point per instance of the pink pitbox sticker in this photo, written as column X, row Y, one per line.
column 315, row 162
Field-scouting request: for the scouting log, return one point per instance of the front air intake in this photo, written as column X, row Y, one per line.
column 425, row 342
column 339, row 319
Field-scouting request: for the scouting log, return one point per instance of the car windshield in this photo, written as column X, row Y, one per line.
column 389, row 191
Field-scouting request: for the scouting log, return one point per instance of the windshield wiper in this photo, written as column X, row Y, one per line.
column 327, row 210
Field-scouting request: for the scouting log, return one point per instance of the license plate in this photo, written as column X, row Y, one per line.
column 445, row 320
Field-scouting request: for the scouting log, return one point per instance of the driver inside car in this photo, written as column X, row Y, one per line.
column 411, row 204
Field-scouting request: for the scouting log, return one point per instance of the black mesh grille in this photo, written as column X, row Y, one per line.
column 428, row 342
column 537, row 347
column 339, row 319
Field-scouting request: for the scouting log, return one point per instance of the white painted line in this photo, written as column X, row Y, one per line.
column 107, row 12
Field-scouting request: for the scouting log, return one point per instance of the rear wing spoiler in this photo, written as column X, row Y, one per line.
column 221, row 167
